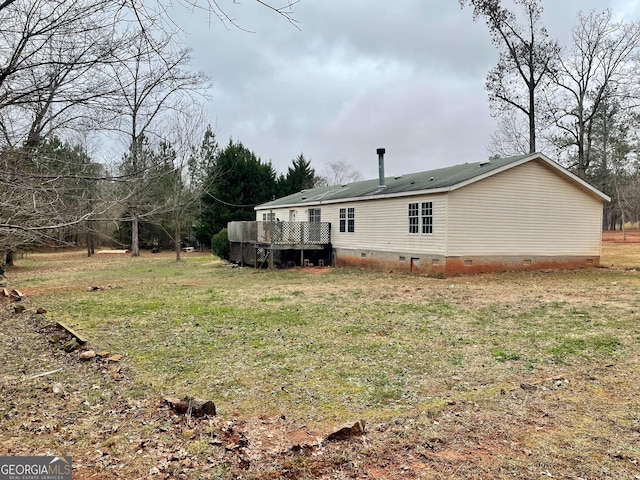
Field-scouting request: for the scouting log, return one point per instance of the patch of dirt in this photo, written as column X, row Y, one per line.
column 316, row 270
column 618, row 236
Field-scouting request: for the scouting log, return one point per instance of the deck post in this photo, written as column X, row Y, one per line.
column 271, row 240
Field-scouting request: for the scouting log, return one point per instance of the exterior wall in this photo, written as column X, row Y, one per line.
column 381, row 237
column 527, row 212
column 525, row 218
column 383, row 225
column 379, row 224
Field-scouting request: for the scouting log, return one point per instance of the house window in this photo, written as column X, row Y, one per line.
column 414, row 219
column 427, row 217
column 268, row 217
column 348, row 220
column 421, row 218
column 314, row 214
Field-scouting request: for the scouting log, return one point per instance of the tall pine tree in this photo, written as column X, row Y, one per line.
column 300, row 176
column 237, row 181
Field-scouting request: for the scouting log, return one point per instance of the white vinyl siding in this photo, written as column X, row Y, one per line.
column 527, row 210
column 284, row 214
column 382, row 225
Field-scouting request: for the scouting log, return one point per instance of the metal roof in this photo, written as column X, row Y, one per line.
column 441, row 179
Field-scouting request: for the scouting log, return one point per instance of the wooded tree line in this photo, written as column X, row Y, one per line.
column 79, row 74
column 579, row 101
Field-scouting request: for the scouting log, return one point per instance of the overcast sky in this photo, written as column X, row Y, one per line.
column 357, row 75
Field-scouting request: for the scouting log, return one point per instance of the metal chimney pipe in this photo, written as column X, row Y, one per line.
column 381, row 152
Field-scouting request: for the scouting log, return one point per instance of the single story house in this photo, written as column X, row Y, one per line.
column 516, row 213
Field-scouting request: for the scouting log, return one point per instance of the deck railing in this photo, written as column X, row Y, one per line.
column 280, row 233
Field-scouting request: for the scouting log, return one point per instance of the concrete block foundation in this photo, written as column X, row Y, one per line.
column 439, row 265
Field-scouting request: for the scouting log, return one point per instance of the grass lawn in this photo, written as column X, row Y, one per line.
column 511, row 375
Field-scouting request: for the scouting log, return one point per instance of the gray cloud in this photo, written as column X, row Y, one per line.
column 408, row 76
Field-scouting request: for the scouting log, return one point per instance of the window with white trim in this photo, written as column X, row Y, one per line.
column 421, row 218
column 427, row 218
column 348, row 220
column 268, row 217
column 414, row 218
column 314, row 214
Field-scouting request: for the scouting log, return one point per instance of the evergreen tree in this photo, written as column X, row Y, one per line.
column 202, row 160
column 300, row 176
column 52, row 183
column 147, row 173
column 236, row 182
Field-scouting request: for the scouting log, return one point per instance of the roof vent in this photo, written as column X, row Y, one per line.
column 486, row 162
column 396, row 178
column 431, row 179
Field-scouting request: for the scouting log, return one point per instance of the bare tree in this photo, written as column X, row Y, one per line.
column 46, row 194
column 61, row 64
column 337, row 173
column 190, row 178
column 601, row 63
column 50, row 60
column 152, row 80
column 526, row 58
column 511, row 136
column 158, row 14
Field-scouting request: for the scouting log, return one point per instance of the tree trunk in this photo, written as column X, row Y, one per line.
column 532, row 115
column 135, row 245
column 176, row 236
column 90, row 245
column 9, row 258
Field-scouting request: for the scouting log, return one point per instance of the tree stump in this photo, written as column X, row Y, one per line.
column 191, row 406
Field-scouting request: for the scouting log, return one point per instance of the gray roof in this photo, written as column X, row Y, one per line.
column 438, row 179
